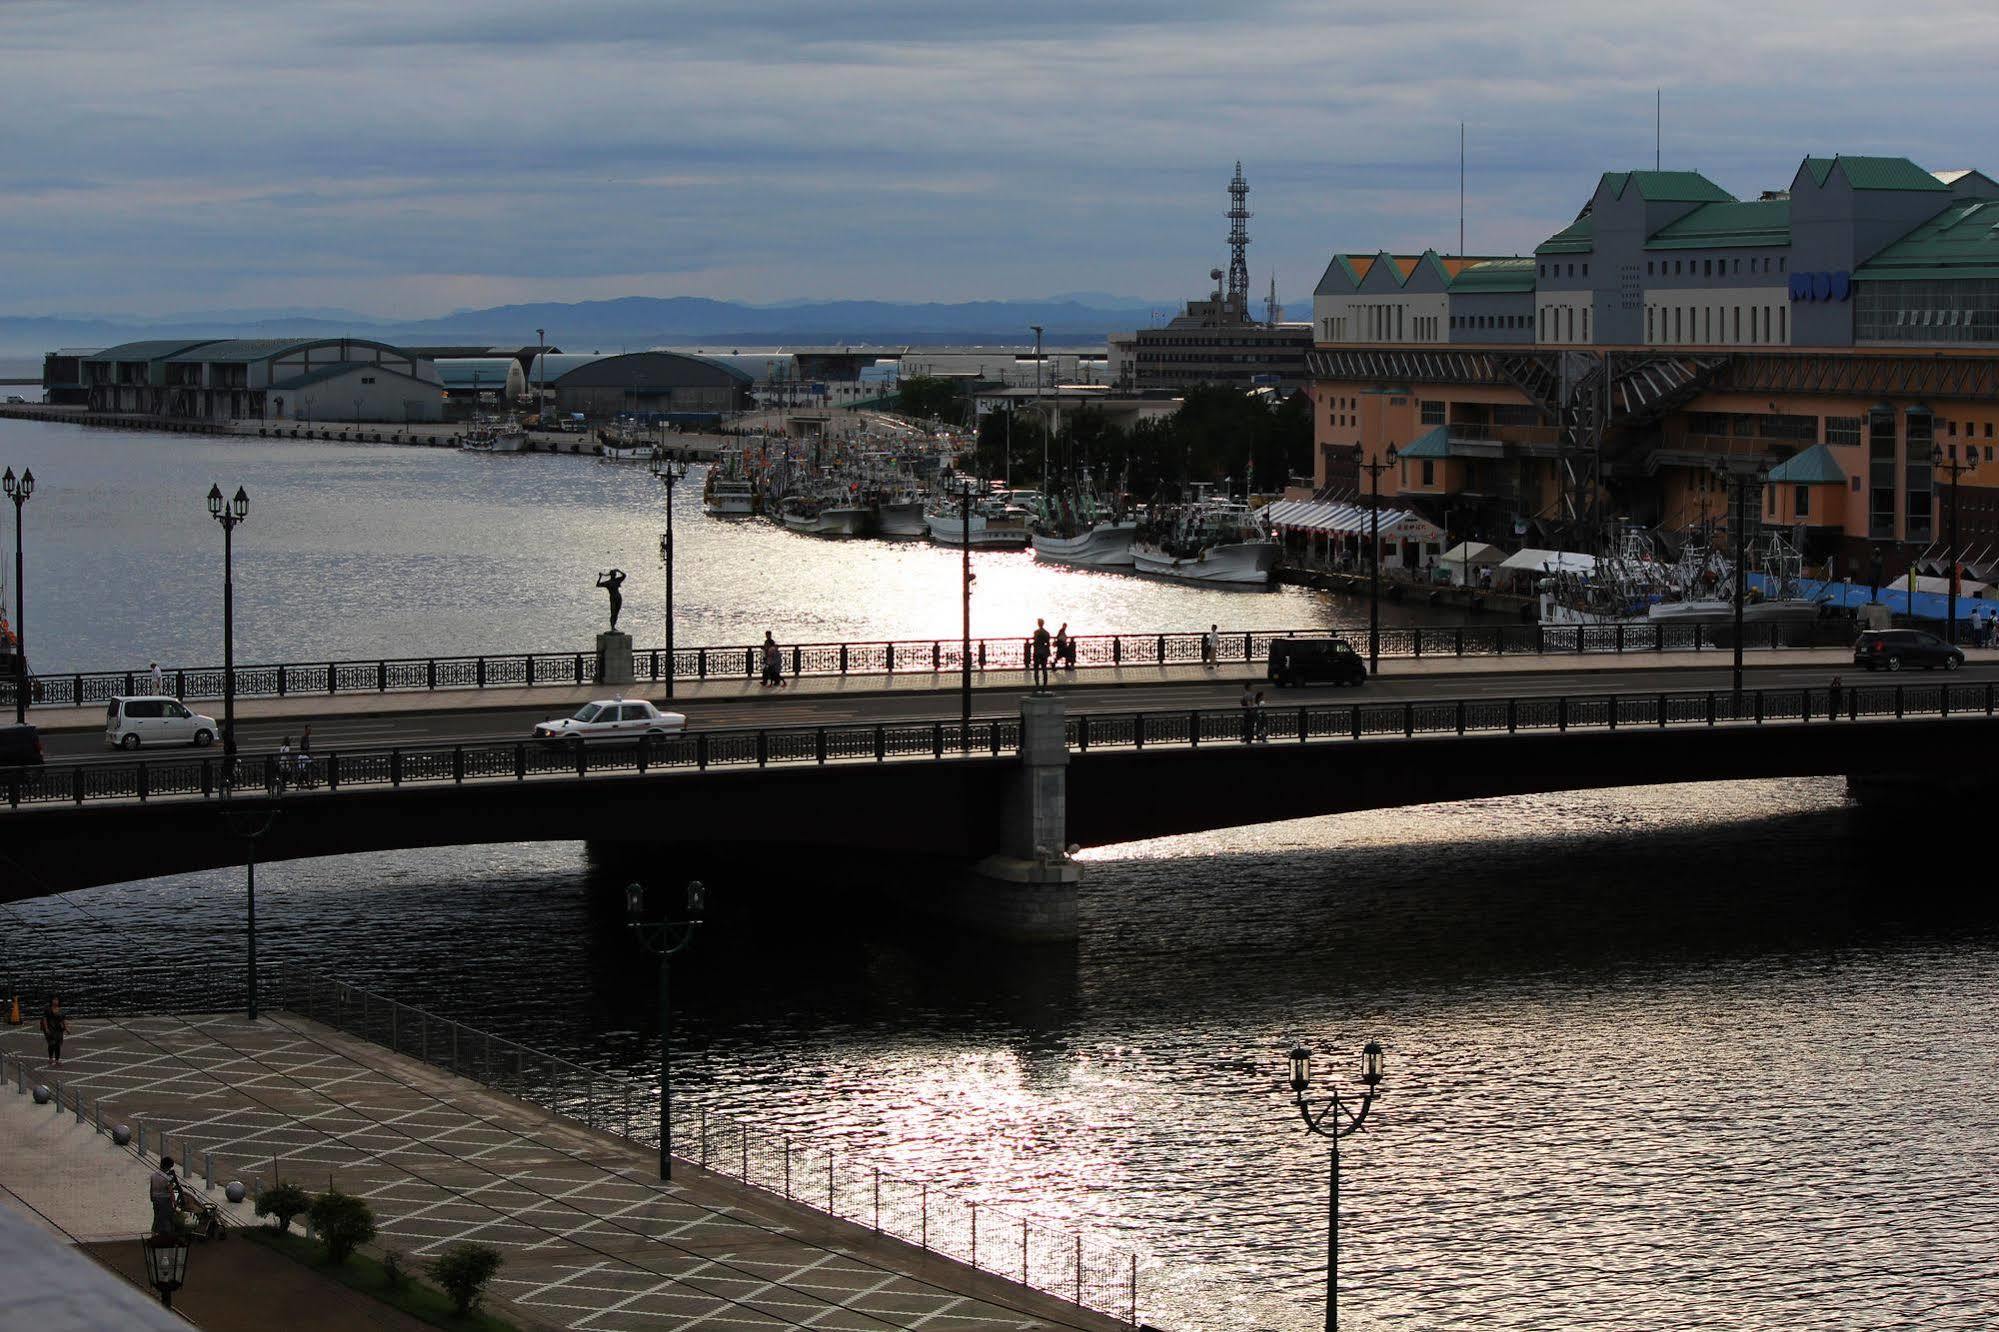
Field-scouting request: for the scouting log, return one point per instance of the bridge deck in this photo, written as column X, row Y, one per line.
column 859, row 689
column 589, row 1237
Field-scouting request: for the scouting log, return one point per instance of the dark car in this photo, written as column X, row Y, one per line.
column 19, row 746
column 1298, row 661
column 1892, row 649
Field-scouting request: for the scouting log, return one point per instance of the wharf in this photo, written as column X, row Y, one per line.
column 589, row 1236
column 1410, row 592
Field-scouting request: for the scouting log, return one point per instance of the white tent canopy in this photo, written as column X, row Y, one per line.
column 1548, row 561
column 1353, row 519
column 1478, row 552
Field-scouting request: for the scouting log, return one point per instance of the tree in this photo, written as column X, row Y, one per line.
column 995, row 447
column 463, row 1272
column 926, row 396
column 343, row 1223
column 283, row 1201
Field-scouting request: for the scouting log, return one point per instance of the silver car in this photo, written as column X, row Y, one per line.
column 610, row 719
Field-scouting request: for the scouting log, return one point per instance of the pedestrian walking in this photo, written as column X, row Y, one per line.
column 1040, row 650
column 1246, row 703
column 1065, row 648
column 1833, row 694
column 773, row 676
column 159, row 680
column 160, row 1190
column 1210, row 646
column 1256, row 713
column 54, row 1025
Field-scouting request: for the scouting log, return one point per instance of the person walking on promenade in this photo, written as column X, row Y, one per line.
column 773, row 663
column 1210, row 644
column 160, row 1190
column 159, row 681
column 1065, row 648
column 54, row 1024
column 1833, row 693
column 1246, row 703
column 1040, row 649
column 1262, row 725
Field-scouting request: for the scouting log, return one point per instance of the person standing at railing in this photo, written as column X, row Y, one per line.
column 158, row 681
column 1040, row 650
column 1247, row 703
column 773, row 659
column 1210, row 646
column 1833, row 693
column 1260, row 725
column 1065, row 648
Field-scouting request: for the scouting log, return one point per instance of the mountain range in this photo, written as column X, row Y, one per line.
column 1079, row 318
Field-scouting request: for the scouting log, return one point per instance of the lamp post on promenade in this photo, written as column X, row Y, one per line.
column 663, row 939
column 965, row 649
column 1737, row 474
column 1953, row 465
column 1374, row 471
column 250, row 826
column 228, row 513
column 669, row 468
column 1334, row 1119
column 19, row 489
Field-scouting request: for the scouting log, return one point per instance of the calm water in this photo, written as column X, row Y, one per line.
column 1670, row 1056
column 362, row 550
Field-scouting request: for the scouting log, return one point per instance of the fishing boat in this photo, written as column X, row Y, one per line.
column 1079, row 530
column 827, row 513
column 899, row 512
column 994, row 522
column 494, row 437
column 1632, row 585
column 1208, row 541
column 728, row 492
column 625, row 441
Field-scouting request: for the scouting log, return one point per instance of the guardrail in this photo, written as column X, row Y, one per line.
column 1063, row 1263
column 885, row 658
column 520, row 761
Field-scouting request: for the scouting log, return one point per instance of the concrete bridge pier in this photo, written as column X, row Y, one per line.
column 1028, row 890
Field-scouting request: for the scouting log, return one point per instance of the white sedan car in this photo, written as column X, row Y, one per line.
column 611, row 719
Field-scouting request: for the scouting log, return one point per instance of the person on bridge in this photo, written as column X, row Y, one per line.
column 1210, row 646
column 1065, row 648
column 1247, row 703
column 773, row 658
column 159, row 682
column 1833, row 694
column 1041, row 654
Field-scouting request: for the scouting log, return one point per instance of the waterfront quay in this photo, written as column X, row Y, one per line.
column 590, row 1239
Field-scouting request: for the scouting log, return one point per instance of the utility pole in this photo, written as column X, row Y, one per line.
column 965, row 690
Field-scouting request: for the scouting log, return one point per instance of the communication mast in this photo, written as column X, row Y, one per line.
column 1273, row 313
column 1239, row 215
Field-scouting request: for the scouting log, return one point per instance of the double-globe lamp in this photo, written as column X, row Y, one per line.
column 228, row 513
column 1333, row 1120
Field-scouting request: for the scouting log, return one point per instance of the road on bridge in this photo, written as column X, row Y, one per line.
column 1438, row 679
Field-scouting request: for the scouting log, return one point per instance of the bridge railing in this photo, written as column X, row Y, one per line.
column 886, row 658
column 1057, row 1261
column 336, row 770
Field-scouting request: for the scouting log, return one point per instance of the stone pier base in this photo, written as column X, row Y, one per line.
column 614, row 658
column 1015, row 899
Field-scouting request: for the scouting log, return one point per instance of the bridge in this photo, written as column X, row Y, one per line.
column 1006, row 797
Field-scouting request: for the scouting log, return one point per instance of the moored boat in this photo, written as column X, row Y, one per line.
column 1208, row 541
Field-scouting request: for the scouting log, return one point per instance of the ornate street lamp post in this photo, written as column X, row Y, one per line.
column 1737, row 476
column 669, row 468
column 19, row 489
column 1374, row 471
column 663, row 939
column 1334, row 1119
column 166, row 1264
column 1954, row 464
column 228, row 513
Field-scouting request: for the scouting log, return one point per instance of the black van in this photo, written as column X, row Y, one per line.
column 20, row 746
column 1298, row 661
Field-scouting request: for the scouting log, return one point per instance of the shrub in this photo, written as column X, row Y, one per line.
column 463, row 1272
column 342, row 1221
column 393, row 1272
column 284, row 1201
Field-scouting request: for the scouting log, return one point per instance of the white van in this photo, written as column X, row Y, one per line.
column 154, row 719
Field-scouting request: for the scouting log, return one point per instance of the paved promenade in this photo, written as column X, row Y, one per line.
column 590, row 1237
column 739, row 699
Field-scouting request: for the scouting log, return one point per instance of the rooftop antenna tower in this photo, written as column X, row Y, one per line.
column 1273, row 313
column 1239, row 215
column 1461, row 189
column 1658, row 130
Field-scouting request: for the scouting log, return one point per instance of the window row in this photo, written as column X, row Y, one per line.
column 1558, row 323
column 1489, row 321
column 1558, row 270
column 1713, row 267
column 1717, row 325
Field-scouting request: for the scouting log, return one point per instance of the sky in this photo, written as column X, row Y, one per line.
column 407, row 159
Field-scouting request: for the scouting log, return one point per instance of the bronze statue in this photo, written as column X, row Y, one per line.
column 611, row 582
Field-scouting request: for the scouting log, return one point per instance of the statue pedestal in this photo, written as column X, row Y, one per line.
column 614, row 658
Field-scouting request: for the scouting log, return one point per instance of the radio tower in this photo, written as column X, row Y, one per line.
column 1238, row 293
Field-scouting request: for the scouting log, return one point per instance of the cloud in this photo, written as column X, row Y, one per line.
column 387, row 158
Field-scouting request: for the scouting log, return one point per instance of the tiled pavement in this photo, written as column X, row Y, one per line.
column 590, row 1239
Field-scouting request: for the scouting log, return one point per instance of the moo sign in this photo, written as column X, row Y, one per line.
column 1821, row 286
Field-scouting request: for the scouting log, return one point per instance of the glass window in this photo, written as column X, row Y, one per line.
column 1842, row 430
column 1780, row 263
column 588, row 712
column 1585, row 270
column 1430, row 412
column 1707, row 268
column 1648, row 268
column 1429, row 472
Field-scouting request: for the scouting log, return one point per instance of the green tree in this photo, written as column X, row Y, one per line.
column 994, row 446
column 463, row 1272
column 283, row 1201
column 926, row 396
column 342, row 1222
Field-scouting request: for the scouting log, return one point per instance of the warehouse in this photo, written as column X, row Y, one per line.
column 263, row 379
column 643, row 383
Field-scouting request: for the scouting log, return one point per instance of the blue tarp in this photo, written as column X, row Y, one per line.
column 1929, row 605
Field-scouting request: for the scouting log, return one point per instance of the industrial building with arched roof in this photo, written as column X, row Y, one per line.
column 643, row 383
column 264, row 379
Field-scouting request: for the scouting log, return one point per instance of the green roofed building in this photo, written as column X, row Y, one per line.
column 263, row 379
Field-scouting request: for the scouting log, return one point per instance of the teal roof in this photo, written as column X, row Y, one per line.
column 1666, row 186
column 1434, row 443
column 1875, row 173
column 1962, row 241
column 152, row 349
column 1579, row 237
column 1813, row 467
column 1494, row 275
column 1720, row 225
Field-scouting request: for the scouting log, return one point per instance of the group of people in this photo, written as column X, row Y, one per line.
column 1051, row 652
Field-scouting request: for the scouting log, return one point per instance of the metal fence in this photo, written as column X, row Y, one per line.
column 345, row 769
column 905, row 657
column 1064, row 1263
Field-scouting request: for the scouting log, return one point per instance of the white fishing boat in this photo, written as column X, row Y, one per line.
column 1078, row 530
column 728, row 497
column 494, row 437
column 1633, row 586
column 1208, row 541
column 994, row 523
column 625, row 441
column 899, row 512
column 835, row 516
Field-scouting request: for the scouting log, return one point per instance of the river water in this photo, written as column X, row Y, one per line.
column 1709, row 1055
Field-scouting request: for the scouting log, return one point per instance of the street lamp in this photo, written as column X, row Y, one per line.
column 669, row 468
column 1953, row 465
column 965, row 652
column 1737, row 477
column 19, row 489
column 1374, row 471
column 166, row 1264
column 1334, row 1119
column 250, row 827
column 664, row 938
column 228, row 513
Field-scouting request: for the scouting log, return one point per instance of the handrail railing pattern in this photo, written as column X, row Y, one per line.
column 885, row 658
column 1064, row 1263
column 338, row 770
